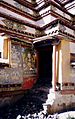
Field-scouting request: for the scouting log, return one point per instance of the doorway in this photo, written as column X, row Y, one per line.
column 45, row 65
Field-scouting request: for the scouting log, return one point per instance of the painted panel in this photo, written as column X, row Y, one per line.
column 22, row 67
column 4, row 50
column 30, row 30
column 21, row 7
column 61, row 13
column 1, row 21
column 16, row 56
column 15, row 14
column 45, row 10
column 29, row 0
column 29, row 61
column 10, row 76
column 12, row 2
column 45, row 20
column 72, row 61
column 69, row 31
column 15, row 25
column 39, row 5
column 72, row 47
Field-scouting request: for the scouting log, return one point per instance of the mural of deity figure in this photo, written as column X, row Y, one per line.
column 29, row 58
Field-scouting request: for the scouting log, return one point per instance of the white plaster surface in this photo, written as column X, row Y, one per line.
column 66, row 115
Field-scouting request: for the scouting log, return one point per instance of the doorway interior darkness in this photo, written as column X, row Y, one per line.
column 45, row 64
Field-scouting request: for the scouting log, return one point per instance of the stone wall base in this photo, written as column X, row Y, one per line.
column 58, row 102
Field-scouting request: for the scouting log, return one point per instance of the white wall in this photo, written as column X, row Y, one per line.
column 72, row 47
column 45, row 20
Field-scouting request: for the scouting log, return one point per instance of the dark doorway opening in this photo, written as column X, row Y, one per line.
column 45, row 65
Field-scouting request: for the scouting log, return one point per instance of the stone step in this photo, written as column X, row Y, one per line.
column 44, row 89
column 31, row 103
column 41, row 89
column 42, row 99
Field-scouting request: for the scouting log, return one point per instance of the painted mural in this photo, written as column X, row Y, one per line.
column 29, row 61
column 22, row 65
column 25, row 58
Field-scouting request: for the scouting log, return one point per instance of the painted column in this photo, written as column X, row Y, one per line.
column 57, row 75
column 58, row 100
column 54, row 68
column 65, row 50
column 37, row 65
column 9, row 52
column 59, row 65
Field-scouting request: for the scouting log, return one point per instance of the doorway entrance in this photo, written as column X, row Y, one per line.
column 45, row 65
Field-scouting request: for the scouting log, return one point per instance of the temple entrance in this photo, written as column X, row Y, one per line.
column 45, row 65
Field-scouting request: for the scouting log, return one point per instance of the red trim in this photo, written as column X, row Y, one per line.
column 28, row 83
column 64, row 92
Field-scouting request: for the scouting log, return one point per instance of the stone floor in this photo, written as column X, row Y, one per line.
column 30, row 104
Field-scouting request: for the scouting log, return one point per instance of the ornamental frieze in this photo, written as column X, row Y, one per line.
column 14, row 25
column 23, row 8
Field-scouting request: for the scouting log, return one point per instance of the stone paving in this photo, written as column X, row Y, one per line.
column 40, row 115
column 30, row 105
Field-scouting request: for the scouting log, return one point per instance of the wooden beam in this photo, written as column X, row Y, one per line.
column 68, row 1
column 26, row 4
column 17, row 10
column 9, row 17
column 58, row 2
column 15, row 33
